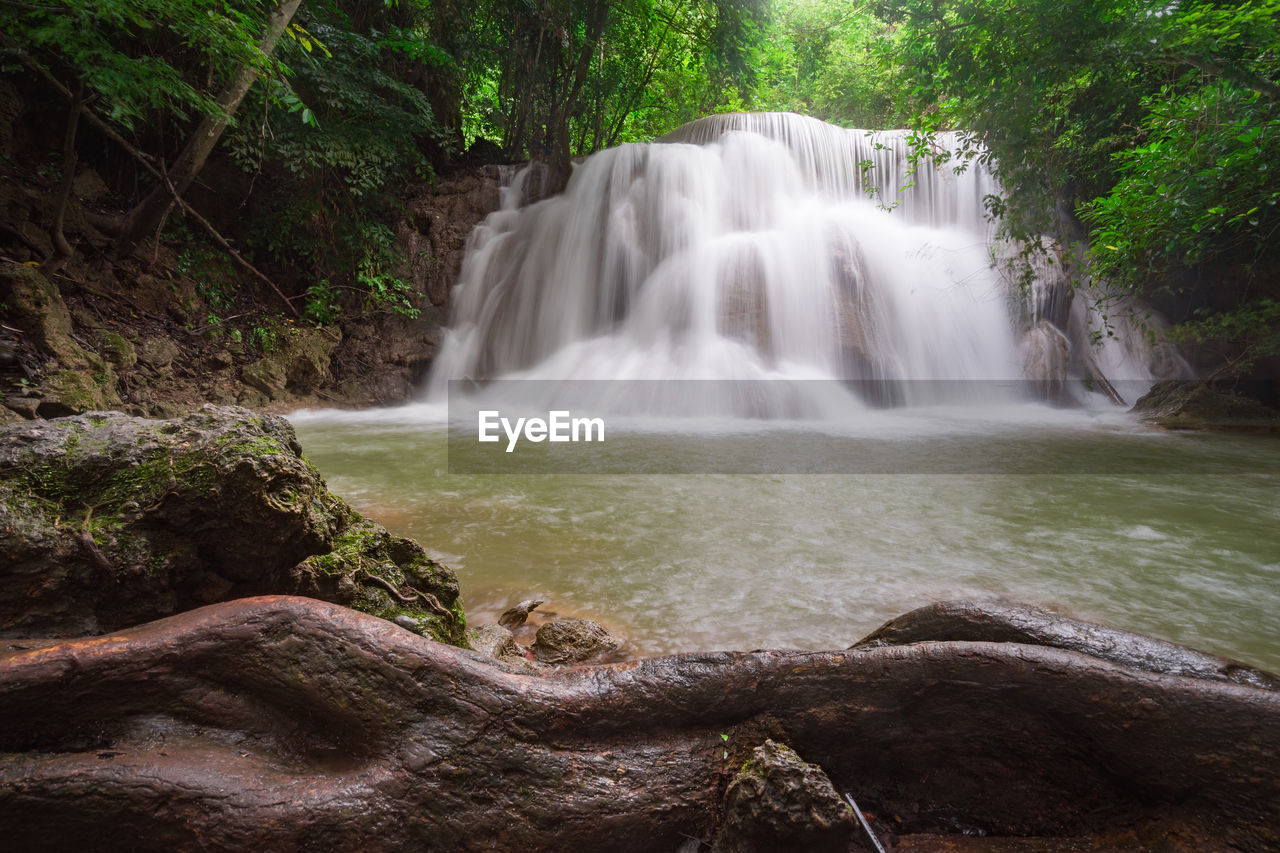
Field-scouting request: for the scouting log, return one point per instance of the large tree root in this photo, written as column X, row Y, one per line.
column 282, row 723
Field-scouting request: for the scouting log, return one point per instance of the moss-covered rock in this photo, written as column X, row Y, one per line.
column 499, row 645
column 117, row 350
column 306, row 354
column 370, row 570
column 75, row 380
column 298, row 365
column 33, row 305
column 570, row 641
column 267, row 376
column 778, row 801
column 69, row 392
column 158, row 352
column 1199, row 406
column 108, row 520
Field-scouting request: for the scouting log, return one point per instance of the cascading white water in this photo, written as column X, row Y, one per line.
column 841, row 164
column 746, row 247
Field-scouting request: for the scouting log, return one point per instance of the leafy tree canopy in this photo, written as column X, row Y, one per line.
column 1153, row 128
column 141, row 57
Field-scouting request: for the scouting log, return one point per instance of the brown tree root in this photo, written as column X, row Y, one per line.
column 284, row 723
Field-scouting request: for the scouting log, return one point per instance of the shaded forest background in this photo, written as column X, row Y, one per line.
column 296, row 130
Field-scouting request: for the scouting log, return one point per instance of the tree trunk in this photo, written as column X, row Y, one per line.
column 62, row 250
column 146, row 218
column 283, row 723
column 558, row 159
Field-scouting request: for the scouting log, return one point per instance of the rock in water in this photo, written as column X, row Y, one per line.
column 780, row 802
column 408, row 623
column 1175, row 404
column 515, row 617
column 108, row 521
column 498, row 643
column 573, row 641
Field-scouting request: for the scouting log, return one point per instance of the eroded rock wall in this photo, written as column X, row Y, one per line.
column 152, row 338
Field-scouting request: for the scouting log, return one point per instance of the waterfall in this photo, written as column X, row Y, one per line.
column 750, row 246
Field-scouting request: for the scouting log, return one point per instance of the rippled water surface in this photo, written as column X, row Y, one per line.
column 732, row 561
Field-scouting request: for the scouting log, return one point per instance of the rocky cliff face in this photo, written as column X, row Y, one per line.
column 153, row 339
column 382, row 359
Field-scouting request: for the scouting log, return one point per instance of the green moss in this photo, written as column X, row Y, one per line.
column 252, row 445
column 366, row 558
column 73, row 389
column 73, row 489
column 117, row 350
column 55, row 495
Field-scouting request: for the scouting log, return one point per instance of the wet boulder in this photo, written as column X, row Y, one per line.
column 780, row 802
column 1176, row 404
column 499, row 644
column 514, row 617
column 570, row 641
column 368, row 569
column 108, row 520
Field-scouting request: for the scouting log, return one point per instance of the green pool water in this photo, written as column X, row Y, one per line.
column 1175, row 535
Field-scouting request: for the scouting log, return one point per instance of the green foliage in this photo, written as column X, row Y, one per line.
column 322, row 307
column 825, row 58
column 265, row 333
column 377, row 268
column 1201, row 189
column 339, row 139
column 1252, row 329
column 213, row 272
column 1049, row 89
column 344, row 115
column 141, row 58
column 574, row 76
column 1157, row 122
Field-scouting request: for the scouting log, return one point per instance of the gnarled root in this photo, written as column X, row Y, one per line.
column 286, row 723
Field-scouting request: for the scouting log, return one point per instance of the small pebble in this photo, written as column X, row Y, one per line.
column 408, row 623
